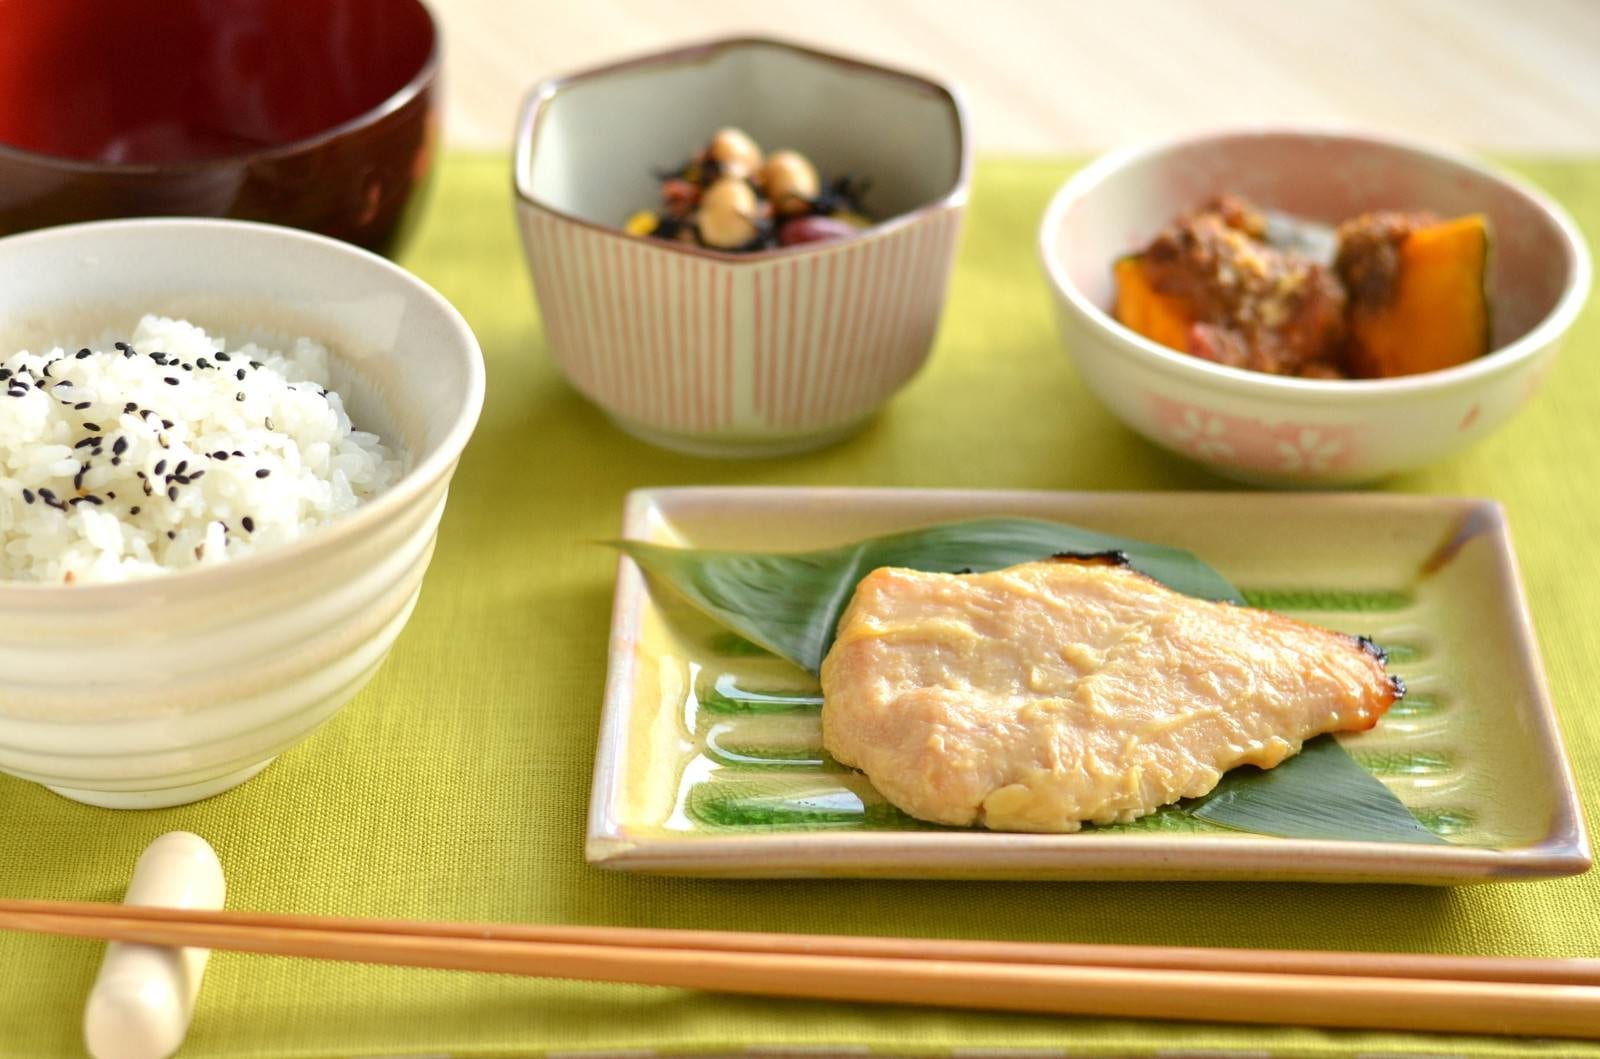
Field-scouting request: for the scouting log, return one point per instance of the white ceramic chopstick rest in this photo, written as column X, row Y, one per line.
column 144, row 996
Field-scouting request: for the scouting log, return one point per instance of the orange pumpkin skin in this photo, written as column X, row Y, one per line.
column 1159, row 317
column 1438, row 316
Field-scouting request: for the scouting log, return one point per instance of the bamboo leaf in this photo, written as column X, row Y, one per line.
column 790, row 604
column 1321, row 792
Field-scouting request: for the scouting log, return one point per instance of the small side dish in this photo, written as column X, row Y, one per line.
column 711, row 756
column 169, row 451
column 731, row 196
column 1075, row 690
column 976, row 680
column 1386, row 294
column 706, row 349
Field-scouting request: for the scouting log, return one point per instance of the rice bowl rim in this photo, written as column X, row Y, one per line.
column 386, row 506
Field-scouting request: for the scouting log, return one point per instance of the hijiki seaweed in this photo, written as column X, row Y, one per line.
column 730, row 196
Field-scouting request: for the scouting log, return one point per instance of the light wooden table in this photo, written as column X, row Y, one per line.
column 1056, row 76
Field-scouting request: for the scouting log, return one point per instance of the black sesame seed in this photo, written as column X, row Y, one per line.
column 130, row 408
column 92, row 499
column 5, row 373
column 187, row 367
column 223, row 357
column 267, row 422
column 134, row 510
column 249, row 524
column 161, row 465
column 85, row 443
column 166, row 424
column 121, row 345
column 170, row 381
column 96, row 427
column 27, row 496
column 238, row 397
column 85, row 353
column 197, row 475
column 47, row 494
column 239, row 375
column 116, row 461
column 262, row 473
column 181, row 467
column 80, row 406
column 119, row 446
column 64, row 382
column 171, row 536
column 219, row 455
column 239, row 454
column 255, row 364
column 172, row 492
column 202, row 363
column 111, row 496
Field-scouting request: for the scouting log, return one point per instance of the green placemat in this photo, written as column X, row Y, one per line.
column 456, row 785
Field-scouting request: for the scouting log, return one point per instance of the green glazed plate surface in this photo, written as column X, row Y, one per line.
column 710, row 758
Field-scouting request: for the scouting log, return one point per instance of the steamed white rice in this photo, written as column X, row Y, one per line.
column 169, row 451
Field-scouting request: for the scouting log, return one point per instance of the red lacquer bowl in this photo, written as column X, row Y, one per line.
column 318, row 114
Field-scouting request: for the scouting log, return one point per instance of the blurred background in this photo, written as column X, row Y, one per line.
column 1052, row 77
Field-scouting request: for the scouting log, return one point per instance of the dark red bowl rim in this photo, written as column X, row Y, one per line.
column 396, row 101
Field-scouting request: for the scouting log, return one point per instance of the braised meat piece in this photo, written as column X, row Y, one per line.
column 1252, row 305
column 1368, row 262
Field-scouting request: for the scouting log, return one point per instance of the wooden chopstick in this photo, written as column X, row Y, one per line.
column 947, row 974
column 1263, row 961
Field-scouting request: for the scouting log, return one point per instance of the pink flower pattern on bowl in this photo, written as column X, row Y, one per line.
column 1251, row 444
column 1275, row 431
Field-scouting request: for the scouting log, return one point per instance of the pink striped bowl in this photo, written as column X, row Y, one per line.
column 739, row 355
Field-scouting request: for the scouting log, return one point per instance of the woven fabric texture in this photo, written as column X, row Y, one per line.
column 456, row 785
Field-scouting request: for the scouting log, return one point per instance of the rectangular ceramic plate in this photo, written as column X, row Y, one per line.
column 710, row 759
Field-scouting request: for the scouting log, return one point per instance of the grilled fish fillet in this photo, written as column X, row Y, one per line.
column 1074, row 690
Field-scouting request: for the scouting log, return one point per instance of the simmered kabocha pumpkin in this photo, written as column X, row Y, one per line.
column 1161, row 318
column 1390, row 294
column 1418, row 300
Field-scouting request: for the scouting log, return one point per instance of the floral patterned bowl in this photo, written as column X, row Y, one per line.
column 1274, row 430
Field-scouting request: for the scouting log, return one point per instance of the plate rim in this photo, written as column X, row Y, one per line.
column 1564, row 849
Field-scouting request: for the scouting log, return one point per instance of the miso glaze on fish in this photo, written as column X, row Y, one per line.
column 1075, row 690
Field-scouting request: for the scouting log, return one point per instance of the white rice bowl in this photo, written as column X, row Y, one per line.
column 170, row 451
